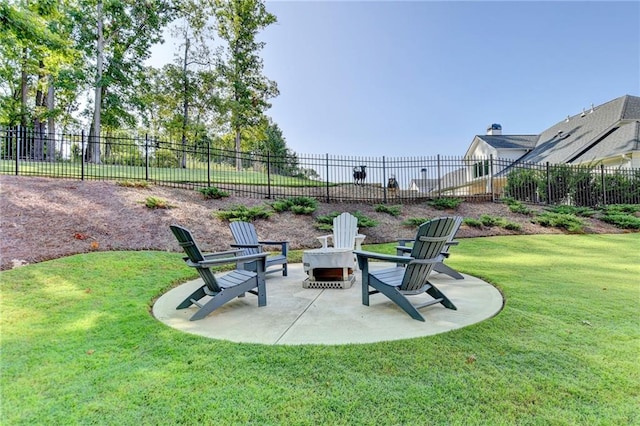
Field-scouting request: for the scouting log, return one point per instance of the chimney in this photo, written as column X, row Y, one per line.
column 494, row 130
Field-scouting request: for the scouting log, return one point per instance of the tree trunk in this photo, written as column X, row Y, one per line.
column 51, row 122
column 38, row 124
column 93, row 151
column 185, row 113
column 238, row 159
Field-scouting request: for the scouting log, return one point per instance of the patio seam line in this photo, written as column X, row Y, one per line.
column 298, row 317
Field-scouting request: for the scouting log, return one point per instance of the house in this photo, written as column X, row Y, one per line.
column 423, row 185
column 607, row 134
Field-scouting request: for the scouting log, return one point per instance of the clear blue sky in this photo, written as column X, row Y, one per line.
column 422, row 78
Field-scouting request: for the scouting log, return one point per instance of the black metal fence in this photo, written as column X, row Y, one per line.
column 331, row 178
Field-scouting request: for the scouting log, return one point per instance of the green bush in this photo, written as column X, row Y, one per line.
column 516, row 206
column 570, row 222
column 513, row 226
column 489, row 221
column 474, row 223
column 244, row 213
column 621, row 208
column 392, row 210
column 133, row 183
column 621, row 220
column 212, row 192
column 445, row 203
column 577, row 211
column 415, row 221
column 156, row 203
column 297, row 205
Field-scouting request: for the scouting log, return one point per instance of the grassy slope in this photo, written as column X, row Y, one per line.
column 79, row 346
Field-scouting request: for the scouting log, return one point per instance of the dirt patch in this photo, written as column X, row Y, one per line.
column 42, row 219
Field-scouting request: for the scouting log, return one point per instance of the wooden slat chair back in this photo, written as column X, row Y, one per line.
column 412, row 277
column 444, row 254
column 224, row 288
column 345, row 233
column 246, row 238
column 430, row 241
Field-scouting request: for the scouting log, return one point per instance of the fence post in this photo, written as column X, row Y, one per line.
column 82, row 155
column 18, row 150
column 548, row 184
column 384, row 180
column 146, row 157
column 439, row 177
column 493, row 197
column 208, row 163
column 327, row 175
column 604, row 185
column 268, row 174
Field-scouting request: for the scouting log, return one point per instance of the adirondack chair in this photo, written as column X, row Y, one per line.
column 246, row 238
column 345, row 233
column 440, row 266
column 398, row 282
column 224, row 288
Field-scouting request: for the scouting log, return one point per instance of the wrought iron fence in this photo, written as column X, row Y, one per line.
column 331, row 178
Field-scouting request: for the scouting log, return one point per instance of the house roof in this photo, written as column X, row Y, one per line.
column 594, row 134
column 510, row 141
column 424, row 185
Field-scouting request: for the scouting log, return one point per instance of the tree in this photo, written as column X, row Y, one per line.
column 119, row 35
column 247, row 90
column 274, row 145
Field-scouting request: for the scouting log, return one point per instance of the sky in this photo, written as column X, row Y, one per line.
column 422, row 78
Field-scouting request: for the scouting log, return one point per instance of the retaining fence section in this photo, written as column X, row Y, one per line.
column 331, row 178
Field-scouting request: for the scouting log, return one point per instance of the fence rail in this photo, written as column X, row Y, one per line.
column 330, row 178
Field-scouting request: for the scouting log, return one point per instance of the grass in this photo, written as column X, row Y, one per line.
column 79, row 346
column 196, row 173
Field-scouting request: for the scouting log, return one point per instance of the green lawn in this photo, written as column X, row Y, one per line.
column 79, row 346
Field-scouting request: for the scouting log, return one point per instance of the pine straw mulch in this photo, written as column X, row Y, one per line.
column 43, row 218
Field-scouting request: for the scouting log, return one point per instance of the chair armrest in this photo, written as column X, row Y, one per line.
column 284, row 245
column 452, row 243
column 222, row 261
column 324, row 240
column 219, row 254
column 380, row 256
column 274, row 242
column 423, row 261
column 403, row 241
column 246, row 245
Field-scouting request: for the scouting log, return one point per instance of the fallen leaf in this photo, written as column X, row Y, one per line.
column 90, row 351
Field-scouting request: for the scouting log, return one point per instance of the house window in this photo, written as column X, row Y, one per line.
column 481, row 169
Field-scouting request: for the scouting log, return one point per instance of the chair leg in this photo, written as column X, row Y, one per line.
column 196, row 295
column 444, row 269
column 437, row 294
column 218, row 300
column 401, row 300
column 284, row 270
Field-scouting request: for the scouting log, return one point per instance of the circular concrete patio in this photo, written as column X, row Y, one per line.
column 295, row 315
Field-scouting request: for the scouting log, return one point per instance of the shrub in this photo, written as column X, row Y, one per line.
column 212, row 192
column 577, row 211
column 474, row 223
column 415, row 221
column 157, row 203
column 133, row 184
column 297, row 205
column 621, row 208
column 513, row 226
column 516, row 206
column 621, row 220
column 445, row 203
column 392, row 210
column 243, row 213
column 489, row 221
column 570, row 222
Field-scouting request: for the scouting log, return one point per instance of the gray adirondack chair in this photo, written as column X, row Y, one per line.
column 345, row 233
column 440, row 266
column 246, row 238
column 224, row 288
column 399, row 282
